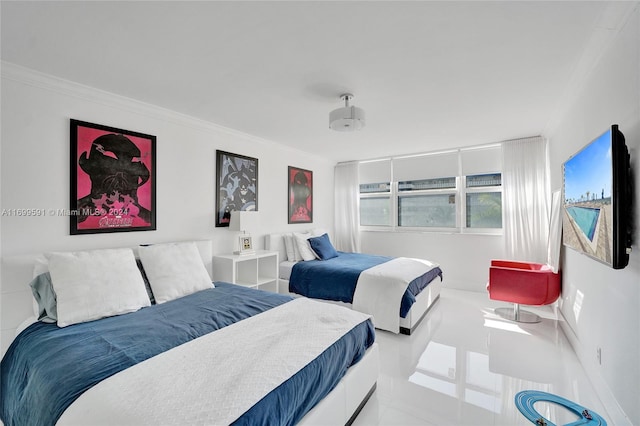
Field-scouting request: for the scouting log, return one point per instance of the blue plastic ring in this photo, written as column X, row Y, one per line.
column 526, row 399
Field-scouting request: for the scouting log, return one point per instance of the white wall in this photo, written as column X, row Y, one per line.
column 35, row 174
column 463, row 258
column 601, row 304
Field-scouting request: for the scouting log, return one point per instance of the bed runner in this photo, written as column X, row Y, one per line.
column 380, row 289
column 196, row 384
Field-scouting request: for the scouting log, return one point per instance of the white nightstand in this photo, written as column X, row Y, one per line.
column 259, row 270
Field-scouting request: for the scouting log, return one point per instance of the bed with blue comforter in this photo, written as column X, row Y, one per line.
column 47, row 368
column 336, row 278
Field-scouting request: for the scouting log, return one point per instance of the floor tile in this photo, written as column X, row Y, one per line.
column 464, row 365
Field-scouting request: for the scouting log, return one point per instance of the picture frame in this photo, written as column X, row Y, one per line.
column 113, row 179
column 300, row 195
column 236, row 185
column 245, row 245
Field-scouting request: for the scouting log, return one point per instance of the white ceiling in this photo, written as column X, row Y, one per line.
column 429, row 75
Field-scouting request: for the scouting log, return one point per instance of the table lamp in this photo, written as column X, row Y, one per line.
column 244, row 221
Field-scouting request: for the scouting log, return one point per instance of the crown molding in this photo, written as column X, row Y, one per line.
column 70, row 88
column 30, row 77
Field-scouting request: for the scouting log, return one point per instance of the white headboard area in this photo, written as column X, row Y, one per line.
column 275, row 242
column 17, row 299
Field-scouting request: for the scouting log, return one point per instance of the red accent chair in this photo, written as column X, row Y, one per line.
column 524, row 283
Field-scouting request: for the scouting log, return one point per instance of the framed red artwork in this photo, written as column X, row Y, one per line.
column 300, row 195
column 113, row 179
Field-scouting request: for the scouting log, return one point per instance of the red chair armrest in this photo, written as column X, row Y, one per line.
column 520, row 285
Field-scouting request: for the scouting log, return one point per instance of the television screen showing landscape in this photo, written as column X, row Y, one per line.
column 587, row 219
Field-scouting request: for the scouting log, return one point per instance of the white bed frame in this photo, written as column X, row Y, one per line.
column 340, row 406
column 424, row 301
column 343, row 404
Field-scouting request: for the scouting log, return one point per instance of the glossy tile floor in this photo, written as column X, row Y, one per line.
column 463, row 365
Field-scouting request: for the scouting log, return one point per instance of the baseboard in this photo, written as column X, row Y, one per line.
column 614, row 413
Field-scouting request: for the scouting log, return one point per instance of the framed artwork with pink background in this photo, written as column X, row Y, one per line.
column 300, row 195
column 113, row 179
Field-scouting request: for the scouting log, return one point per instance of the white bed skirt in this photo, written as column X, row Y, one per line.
column 424, row 301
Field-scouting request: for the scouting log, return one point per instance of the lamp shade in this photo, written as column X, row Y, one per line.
column 244, row 221
column 348, row 118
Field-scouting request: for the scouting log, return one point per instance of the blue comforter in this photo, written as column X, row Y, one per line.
column 336, row 279
column 47, row 368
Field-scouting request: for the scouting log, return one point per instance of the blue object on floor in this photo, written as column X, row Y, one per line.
column 526, row 399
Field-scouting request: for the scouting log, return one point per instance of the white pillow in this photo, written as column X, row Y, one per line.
column 303, row 245
column 296, row 252
column 174, row 270
column 95, row 284
column 293, row 255
column 40, row 266
column 318, row 232
column 286, row 239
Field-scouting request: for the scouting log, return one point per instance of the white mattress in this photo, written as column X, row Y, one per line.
column 285, row 270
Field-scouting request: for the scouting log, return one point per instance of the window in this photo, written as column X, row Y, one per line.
column 375, row 207
column 370, row 188
column 431, row 211
column 484, row 210
column 493, row 179
column 483, row 205
column 429, row 203
column 376, row 202
column 375, row 211
column 415, row 185
column 455, row 191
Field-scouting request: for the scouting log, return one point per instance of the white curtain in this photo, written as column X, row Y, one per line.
column 347, row 208
column 555, row 231
column 525, row 183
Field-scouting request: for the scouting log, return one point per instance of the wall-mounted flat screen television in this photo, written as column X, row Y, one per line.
column 597, row 200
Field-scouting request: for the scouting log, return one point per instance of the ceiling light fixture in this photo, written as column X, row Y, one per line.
column 347, row 118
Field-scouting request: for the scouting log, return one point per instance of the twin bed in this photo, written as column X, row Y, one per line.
column 397, row 292
column 202, row 354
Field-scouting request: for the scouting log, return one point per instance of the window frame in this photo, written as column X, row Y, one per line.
column 379, row 195
column 418, row 192
column 460, row 192
column 480, row 190
column 383, row 193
